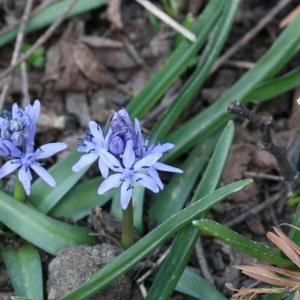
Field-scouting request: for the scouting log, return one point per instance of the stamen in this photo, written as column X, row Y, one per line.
column 145, row 167
column 131, row 168
column 90, row 151
column 129, row 187
column 139, row 179
column 116, row 166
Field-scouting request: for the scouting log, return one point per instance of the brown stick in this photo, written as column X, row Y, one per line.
column 42, row 39
column 288, row 171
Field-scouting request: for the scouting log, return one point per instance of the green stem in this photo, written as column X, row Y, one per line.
column 127, row 233
column 19, row 192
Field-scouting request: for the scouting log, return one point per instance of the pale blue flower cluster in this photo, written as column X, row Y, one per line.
column 18, row 129
column 122, row 149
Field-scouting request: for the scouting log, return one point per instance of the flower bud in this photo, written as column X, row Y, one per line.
column 15, row 125
column 116, row 145
column 17, row 138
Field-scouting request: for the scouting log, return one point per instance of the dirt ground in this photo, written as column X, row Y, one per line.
column 131, row 49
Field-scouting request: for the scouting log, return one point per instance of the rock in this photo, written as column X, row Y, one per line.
column 75, row 265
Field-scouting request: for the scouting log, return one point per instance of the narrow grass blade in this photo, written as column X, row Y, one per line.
column 190, row 282
column 151, row 241
column 274, row 87
column 195, row 81
column 177, row 63
column 48, row 15
column 77, row 203
column 172, row 269
column 25, row 271
column 44, row 232
column 230, row 237
column 44, row 197
column 281, row 52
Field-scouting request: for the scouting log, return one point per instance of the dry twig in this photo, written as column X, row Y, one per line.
column 288, row 171
column 167, row 19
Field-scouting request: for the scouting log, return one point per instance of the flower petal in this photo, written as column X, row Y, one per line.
column 25, row 177
column 109, row 183
column 163, row 167
column 147, row 161
column 126, row 193
column 14, row 151
column 49, row 150
column 103, row 167
column 96, row 131
column 110, row 161
column 163, row 147
column 15, row 110
column 44, row 174
column 146, row 181
column 154, row 175
column 84, row 161
column 9, row 167
column 36, row 110
column 129, row 155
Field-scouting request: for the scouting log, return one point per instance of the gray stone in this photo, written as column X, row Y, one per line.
column 75, row 265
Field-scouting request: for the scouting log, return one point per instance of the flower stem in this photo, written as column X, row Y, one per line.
column 127, row 233
column 19, row 192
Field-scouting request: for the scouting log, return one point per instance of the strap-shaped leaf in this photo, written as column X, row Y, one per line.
column 44, row 232
column 151, row 241
column 177, row 63
column 77, row 203
column 25, row 271
column 172, row 269
column 197, row 287
column 43, row 196
column 48, row 15
column 197, row 129
column 230, row 237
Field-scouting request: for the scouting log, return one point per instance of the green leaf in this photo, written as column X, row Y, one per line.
column 170, row 272
column 77, row 203
column 25, row 270
column 198, row 128
column 151, row 241
column 177, row 63
column 273, row 87
column 195, row 81
column 43, row 196
column 44, row 232
column 230, row 237
column 48, row 15
column 173, row 197
column 190, row 283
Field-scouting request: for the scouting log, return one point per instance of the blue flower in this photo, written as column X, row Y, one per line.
column 162, row 148
column 18, row 131
column 15, row 126
column 127, row 173
column 121, row 131
column 92, row 143
column 28, row 160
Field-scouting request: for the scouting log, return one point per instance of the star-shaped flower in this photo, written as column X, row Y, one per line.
column 128, row 173
column 28, row 160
